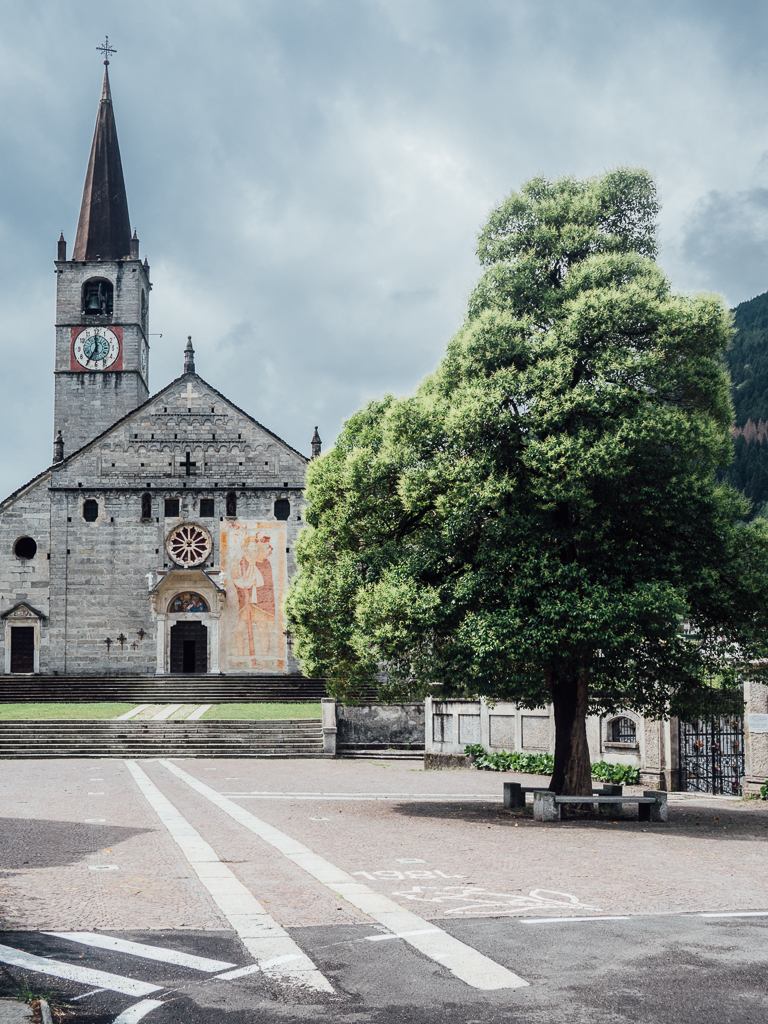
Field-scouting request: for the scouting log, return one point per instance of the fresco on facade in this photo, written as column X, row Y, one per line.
column 255, row 578
column 188, row 602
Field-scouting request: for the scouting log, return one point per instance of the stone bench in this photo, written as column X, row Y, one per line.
column 514, row 793
column 651, row 806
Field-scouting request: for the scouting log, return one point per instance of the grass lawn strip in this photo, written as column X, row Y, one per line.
column 18, row 712
column 262, row 710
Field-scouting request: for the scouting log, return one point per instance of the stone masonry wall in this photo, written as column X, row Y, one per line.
column 101, row 572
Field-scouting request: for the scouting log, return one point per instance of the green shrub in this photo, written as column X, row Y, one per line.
column 764, row 790
column 544, row 764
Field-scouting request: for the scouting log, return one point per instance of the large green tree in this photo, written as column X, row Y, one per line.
column 541, row 520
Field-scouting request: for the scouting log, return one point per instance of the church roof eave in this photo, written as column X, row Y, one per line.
column 20, row 491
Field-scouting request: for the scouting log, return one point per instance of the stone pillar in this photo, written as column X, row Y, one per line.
column 652, row 765
column 755, row 737
column 545, row 807
column 329, row 725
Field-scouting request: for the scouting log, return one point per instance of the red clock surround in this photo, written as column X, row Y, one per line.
column 73, row 363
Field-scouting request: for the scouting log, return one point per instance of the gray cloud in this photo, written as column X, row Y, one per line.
column 726, row 241
column 308, row 178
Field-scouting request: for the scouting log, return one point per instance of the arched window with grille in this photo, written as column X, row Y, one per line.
column 622, row 730
column 146, row 506
column 231, row 503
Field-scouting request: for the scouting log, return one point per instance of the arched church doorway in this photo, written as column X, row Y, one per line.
column 189, row 647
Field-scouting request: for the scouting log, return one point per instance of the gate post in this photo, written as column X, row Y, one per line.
column 328, row 705
column 755, row 737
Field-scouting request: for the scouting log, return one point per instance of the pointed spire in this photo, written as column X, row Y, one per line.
column 317, row 444
column 189, row 357
column 104, row 230
column 61, row 251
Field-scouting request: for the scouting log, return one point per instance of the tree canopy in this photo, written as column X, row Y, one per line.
column 541, row 520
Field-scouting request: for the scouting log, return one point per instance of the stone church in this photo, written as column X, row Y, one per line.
column 161, row 539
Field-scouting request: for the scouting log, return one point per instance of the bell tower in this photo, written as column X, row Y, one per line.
column 102, row 299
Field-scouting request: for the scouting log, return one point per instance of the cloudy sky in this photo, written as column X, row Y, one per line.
column 308, row 177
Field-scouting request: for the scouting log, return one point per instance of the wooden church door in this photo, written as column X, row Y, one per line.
column 189, row 648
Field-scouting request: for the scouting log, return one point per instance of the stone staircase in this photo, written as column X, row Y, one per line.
column 294, row 737
column 176, row 689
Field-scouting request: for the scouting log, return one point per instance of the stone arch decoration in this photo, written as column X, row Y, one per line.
column 189, row 545
column 188, row 601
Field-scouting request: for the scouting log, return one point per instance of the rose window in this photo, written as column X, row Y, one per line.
column 189, row 545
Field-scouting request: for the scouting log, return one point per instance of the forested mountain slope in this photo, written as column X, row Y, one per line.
column 747, row 360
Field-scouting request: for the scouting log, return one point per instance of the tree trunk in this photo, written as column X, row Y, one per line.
column 570, row 695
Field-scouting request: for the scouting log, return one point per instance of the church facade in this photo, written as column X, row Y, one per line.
column 161, row 539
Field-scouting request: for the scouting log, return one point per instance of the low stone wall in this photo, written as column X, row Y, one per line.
column 380, row 726
column 446, row 761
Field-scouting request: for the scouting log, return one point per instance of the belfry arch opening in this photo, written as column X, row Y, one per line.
column 97, row 297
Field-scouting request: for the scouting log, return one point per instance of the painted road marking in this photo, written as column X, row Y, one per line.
column 430, row 797
column 137, row 1012
column 466, row 963
column 133, row 712
column 738, row 913
column 262, row 936
column 569, row 920
column 199, row 712
column 243, row 972
column 166, row 712
column 474, row 900
column 400, row 935
column 103, row 867
column 140, row 949
column 73, row 972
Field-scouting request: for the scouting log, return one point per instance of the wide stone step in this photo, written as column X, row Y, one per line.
column 203, row 689
column 97, row 738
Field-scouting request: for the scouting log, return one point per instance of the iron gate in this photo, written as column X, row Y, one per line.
column 712, row 755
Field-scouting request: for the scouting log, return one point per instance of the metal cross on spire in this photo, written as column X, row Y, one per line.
column 106, row 49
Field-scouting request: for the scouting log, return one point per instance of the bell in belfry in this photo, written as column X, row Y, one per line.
column 93, row 302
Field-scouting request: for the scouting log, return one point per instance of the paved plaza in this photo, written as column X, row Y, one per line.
column 261, row 890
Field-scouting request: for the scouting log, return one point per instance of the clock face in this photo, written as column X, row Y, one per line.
column 96, row 348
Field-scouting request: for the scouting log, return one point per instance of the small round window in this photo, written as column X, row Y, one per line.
column 25, row 547
column 90, row 510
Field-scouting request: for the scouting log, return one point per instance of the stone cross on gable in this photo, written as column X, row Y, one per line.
column 189, row 394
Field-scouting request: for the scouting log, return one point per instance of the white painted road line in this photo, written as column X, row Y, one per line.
column 137, row 1012
column 132, row 713
column 738, row 913
column 166, row 956
column 400, row 935
column 361, row 798
column 569, row 920
column 73, row 972
column 243, row 972
column 199, row 712
column 261, row 935
column 466, row 963
column 165, row 713
column 254, row 794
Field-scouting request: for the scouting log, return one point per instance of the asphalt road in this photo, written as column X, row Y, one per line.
column 656, row 970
